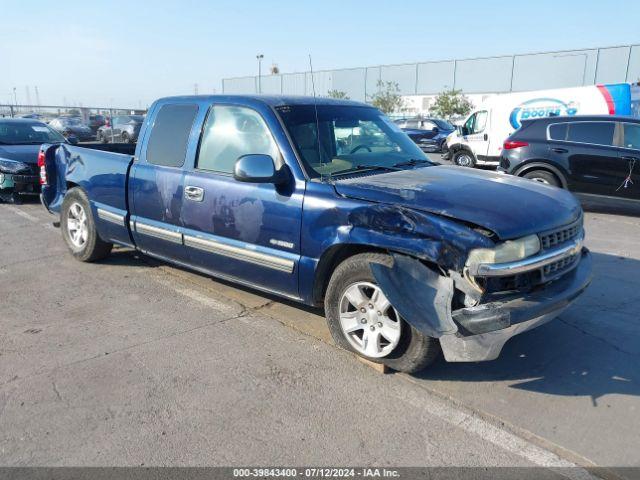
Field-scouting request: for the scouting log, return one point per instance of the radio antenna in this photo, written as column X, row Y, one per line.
column 315, row 107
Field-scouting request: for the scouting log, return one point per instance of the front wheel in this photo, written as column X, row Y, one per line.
column 362, row 320
column 463, row 158
column 542, row 176
column 79, row 228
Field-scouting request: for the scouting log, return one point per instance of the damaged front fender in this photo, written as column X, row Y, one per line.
column 422, row 296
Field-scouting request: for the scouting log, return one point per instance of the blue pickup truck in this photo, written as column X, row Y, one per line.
column 329, row 203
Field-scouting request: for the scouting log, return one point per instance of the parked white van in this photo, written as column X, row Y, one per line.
column 478, row 141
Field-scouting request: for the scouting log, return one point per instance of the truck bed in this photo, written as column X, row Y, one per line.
column 100, row 169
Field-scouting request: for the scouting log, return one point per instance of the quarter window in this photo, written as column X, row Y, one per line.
column 231, row 132
column 558, row 131
column 170, row 134
column 632, row 135
column 599, row 133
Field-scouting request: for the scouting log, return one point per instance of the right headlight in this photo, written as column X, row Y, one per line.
column 509, row 251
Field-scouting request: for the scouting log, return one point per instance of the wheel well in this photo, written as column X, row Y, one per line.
column 71, row 185
column 530, row 167
column 330, row 260
column 460, row 148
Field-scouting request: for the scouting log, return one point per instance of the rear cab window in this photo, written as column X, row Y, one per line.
column 169, row 138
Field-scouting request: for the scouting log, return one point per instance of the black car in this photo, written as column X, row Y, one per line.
column 430, row 134
column 122, row 129
column 589, row 155
column 72, row 127
column 20, row 140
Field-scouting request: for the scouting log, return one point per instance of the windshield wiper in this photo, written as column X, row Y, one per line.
column 359, row 168
column 412, row 162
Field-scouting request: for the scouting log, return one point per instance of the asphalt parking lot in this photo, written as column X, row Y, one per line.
column 131, row 362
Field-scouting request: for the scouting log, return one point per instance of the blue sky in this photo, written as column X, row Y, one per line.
column 127, row 53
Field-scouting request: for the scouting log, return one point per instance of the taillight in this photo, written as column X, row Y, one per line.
column 43, row 169
column 511, row 144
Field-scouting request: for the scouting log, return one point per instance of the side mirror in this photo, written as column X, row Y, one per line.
column 72, row 139
column 257, row 168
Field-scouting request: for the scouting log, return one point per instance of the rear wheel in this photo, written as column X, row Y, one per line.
column 79, row 228
column 543, row 176
column 463, row 158
column 362, row 320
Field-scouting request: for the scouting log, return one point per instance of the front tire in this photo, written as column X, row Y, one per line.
column 464, row 158
column 79, row 229
column 361, row 319
column 543, row 176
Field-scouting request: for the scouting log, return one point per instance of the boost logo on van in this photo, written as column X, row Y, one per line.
column 540, row 107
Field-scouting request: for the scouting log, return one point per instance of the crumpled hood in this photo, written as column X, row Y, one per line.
column 509, row 206
column 20, row 153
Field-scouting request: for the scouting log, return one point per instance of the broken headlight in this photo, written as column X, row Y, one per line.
column 509, row 251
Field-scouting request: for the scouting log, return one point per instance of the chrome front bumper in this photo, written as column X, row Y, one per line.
column 487, row 327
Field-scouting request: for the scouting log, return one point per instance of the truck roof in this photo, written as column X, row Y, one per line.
column 272, row 100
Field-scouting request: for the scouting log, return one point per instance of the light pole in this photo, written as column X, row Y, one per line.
column 259, row 57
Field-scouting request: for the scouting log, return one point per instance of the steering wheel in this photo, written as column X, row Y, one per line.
column 359, row 147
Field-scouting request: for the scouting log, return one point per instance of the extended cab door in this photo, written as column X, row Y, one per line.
column 157, row 180
column 248, row 232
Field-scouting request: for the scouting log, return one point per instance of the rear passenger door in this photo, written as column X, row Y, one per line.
column 157, row 181
column 247, row 232
column 592, row 156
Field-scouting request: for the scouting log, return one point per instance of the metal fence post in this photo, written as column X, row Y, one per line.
column 513, row 66
column 455, row 68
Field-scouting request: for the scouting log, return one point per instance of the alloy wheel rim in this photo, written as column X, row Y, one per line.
column 464, row 160
column 368, row 320
column 77, row 225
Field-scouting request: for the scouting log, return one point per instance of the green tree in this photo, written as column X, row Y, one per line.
column 387, row 98
column 450, row 103
column 338, row 94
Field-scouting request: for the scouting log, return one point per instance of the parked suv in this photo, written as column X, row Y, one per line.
column 589, row 155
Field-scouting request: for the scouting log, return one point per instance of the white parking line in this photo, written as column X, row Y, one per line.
column 495, row 435
column 22, row 214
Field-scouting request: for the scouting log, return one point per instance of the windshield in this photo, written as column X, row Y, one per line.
column 351, row 137
column 71, row 121
column 13, row 133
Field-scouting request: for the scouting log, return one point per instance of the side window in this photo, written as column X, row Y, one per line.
column 632, row 135
column 481, row 121
column 231, row 132
column 427, row 125
column 599, row 133
column 470, row 123
column 558, row 131
column 170, row 134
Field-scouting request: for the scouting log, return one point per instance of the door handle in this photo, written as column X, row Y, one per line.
column 194, row 193
column 486, row 137
column 559, row 150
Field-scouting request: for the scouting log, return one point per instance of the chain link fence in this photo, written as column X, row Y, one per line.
column 531, row 71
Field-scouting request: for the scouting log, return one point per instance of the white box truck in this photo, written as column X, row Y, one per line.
column 478, row 141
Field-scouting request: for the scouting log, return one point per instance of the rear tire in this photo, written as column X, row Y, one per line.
column 464, row 158
column 79, row 229
column 543, row 176
column 411, row 352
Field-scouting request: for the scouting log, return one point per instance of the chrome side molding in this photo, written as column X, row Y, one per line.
column 111, row 217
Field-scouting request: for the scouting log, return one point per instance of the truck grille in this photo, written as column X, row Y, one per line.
column 560, row 266
column 561, row 235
